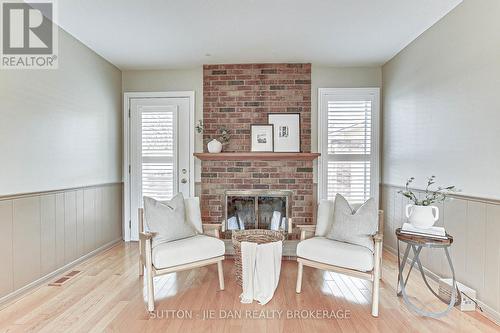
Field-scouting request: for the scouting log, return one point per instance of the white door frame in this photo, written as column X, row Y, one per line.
column 127, row 97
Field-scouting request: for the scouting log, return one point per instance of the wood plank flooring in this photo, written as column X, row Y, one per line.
column 108, row 296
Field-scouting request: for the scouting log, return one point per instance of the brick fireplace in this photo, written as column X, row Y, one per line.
column 236, row 96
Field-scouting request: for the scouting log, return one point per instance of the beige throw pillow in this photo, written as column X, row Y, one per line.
column 167, row 219
column 354, row 227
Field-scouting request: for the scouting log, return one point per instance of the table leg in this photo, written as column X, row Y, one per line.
column 421, row 269
column 454, row 284
column 416, row 252
column 405, row 296
column 401, row 266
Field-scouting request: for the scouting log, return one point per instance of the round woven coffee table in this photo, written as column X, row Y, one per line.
column 416, row 243
column 259, row 236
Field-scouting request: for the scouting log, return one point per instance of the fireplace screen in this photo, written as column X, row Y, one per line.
column 257, row 209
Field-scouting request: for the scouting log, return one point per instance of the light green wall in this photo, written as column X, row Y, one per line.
column 441, row 106
column 61, row 128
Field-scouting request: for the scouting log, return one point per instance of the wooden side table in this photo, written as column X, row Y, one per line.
column 416, row 243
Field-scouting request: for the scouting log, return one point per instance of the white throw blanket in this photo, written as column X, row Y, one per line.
column 261, row 266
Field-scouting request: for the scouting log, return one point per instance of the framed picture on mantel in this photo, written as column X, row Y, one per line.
column 262, row 138
column 286, row 131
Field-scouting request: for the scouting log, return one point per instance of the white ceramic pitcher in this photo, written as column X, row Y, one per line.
column 422, row 216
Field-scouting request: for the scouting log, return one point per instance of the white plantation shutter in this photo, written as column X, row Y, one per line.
column 158, row 151
column 348, row 145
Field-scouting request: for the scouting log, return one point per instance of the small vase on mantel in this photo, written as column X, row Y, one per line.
column 422, row 216
column 214, row 146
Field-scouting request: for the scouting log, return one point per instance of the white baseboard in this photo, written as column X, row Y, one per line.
column 488, row 312
column 4, row 301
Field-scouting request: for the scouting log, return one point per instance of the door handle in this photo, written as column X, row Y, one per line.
column 184, row 180
column 184, row 171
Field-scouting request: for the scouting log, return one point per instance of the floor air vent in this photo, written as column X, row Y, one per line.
column 60, row 281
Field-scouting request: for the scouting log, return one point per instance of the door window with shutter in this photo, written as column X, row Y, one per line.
column 158, row 129
column 348, row 142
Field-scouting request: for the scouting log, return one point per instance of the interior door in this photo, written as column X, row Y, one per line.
column 159, row 151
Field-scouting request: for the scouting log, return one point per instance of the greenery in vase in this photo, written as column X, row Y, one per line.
column 199, row 127
column 224, row 133
column 432, row 194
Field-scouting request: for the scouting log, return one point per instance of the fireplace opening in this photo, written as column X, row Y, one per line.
column 240, row 213
column 257, row 209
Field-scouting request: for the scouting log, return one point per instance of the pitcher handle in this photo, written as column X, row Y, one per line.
column 407, row 210
column 436, row 213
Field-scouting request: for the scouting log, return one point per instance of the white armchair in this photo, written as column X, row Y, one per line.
column 203, row 249
column 349, row 259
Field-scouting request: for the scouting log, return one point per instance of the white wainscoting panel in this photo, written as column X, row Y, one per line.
column 26, row 240
column 60, row 229
column 48, row 234
column 492, row 257
column 71, row 234
column 7, row 276
column 43, row 232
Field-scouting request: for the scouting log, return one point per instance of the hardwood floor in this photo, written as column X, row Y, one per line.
column 108, row 297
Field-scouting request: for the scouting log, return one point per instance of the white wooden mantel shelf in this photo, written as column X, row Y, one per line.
column 235, row 156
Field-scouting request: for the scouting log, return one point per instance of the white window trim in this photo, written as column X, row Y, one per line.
column 127, row 96
column 322, row 133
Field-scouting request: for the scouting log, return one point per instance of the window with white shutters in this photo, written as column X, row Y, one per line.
column 348, row 143
column 158, row 151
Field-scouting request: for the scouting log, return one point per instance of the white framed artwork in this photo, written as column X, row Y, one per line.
column 286, row 131
column 262, row 138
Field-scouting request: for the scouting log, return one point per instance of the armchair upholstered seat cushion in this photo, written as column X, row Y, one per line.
column 187, row 250
column 336, row 253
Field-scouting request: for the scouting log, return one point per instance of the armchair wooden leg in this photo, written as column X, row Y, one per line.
column 375, row 296
column 149, row 277
column 150, row 288
column 380, row 272
column 376, row 280
column 221, row 275
column 300, row 268
column 141, row 266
